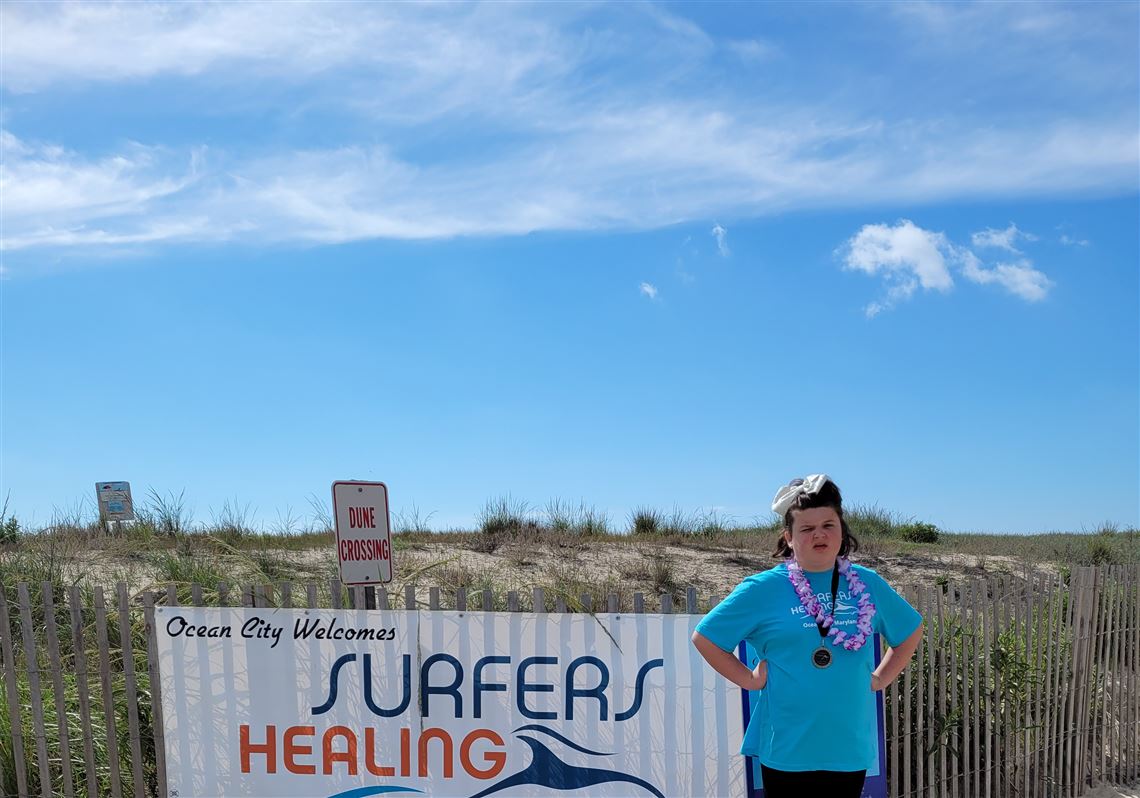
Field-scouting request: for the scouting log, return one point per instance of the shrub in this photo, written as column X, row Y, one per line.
column 918, row 532
column 645, row 521
column 868, row 521
column 678, row 523
column 711, row 524
column 504, row 515
column 9, row 529
column 593, row 522
column 168, row 514
column 9, row 526
column 1101, row 548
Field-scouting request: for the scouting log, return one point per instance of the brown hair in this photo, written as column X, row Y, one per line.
column 827, row 496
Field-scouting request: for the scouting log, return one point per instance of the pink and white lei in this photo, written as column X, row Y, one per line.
column 815, row 609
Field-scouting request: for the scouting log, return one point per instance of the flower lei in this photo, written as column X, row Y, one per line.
column 815, row 609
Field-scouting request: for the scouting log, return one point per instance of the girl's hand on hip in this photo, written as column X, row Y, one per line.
column 759, row 676
column 876, row 682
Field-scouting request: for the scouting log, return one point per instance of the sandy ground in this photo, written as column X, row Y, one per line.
column 571, row 566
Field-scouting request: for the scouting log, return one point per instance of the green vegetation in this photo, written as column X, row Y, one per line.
column 918, row 533
column 570, row 550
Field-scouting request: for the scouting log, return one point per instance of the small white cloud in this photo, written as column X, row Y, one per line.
column 1020, row 278
column 908, row 257
column 905, row 255
column 1069, row 241
column 1001, row 239
column 721, row 235
column 649, row 290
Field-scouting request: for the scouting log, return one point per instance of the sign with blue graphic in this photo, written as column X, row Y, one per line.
column 114, row 500
column 875, row 785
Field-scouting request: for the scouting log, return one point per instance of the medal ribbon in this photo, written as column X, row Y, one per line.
column 834, row 594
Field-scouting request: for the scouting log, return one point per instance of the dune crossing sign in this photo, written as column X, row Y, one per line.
column 363, row 533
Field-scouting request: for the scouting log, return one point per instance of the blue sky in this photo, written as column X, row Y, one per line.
column 634, row 254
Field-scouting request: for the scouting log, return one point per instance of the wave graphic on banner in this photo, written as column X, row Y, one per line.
column 547, row 770
column 364, row 792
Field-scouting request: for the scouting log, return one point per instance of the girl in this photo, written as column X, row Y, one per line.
column 811, row 619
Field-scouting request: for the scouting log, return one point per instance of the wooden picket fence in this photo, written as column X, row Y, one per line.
column 1021, row 688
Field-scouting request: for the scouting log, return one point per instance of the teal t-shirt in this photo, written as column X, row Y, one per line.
column 809, row 718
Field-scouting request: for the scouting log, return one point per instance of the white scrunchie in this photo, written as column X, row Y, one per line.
column 787, row 495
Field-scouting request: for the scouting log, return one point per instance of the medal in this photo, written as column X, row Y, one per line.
column 821, row 657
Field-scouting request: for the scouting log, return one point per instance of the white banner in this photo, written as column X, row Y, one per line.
column 349, row 704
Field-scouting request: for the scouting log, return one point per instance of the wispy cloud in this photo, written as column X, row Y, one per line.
column 721, row 236
column 1001, row 239
column 1019, row 278
column 752, row 49
column 907, row 257
column 649, row 290
column 551, row 119
column 1069, row 241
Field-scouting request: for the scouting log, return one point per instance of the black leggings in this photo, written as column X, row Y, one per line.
column 811, row 783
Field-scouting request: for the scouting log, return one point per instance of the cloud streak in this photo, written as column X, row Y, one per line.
column 553, row 120
column 721, row 236
column 1001, row 239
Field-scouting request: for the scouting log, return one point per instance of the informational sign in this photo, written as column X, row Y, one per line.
column 276, row 703
column 115, row 501
column 874, row 786
column 363, row 536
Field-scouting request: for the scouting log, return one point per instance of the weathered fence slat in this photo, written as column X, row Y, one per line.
column 1134, row 676
column 1041, row 590
column 79, row 657
column 952, row 746
column 127, row 646
column 14, row 715
column 1107, row 639
column 155, row 684
column 964, row 696
column 1019, row 644
column 904, row 729
column 47, row 591
column 102, row 643
column 31, row 658
column 915, row 734
column 977, row 600
column 1120, row 698
column 1112, row 671
column 991, row 706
